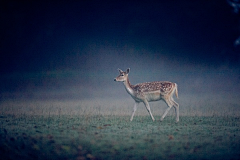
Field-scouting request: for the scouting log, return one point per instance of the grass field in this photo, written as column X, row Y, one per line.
column 93, row 130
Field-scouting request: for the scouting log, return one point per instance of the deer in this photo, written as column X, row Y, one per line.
column 150, row 91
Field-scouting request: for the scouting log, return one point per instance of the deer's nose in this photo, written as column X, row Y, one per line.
column 115, row 79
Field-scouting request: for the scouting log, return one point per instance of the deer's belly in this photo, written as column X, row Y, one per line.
column 153, row 96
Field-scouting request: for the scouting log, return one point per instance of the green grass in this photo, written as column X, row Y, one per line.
column 115, row 137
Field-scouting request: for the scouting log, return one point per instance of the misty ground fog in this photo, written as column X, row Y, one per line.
column 202, row 88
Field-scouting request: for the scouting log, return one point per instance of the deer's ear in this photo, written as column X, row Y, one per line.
column 120, row 71
column 128, row 70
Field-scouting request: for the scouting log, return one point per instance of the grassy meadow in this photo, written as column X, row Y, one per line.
column 100, row 129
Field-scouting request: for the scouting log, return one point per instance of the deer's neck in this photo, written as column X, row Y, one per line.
column 128, row 87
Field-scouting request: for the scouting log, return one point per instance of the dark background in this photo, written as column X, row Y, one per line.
column 67, row 49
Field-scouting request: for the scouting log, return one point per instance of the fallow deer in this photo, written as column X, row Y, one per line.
column 150, row 91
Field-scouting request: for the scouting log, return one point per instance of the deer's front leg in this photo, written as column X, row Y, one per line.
column 134, row 110
column 148, row 109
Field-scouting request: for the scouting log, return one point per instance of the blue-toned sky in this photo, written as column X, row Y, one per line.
column 63, row 43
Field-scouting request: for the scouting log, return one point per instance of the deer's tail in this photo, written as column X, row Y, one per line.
column 176, row 90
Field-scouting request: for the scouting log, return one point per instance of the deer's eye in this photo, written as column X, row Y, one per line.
column 122, row 74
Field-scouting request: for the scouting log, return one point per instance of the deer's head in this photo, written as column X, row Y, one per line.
column 122, row 76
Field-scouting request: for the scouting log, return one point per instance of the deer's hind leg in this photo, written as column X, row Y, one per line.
column 176, row 106
column 169, row 104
